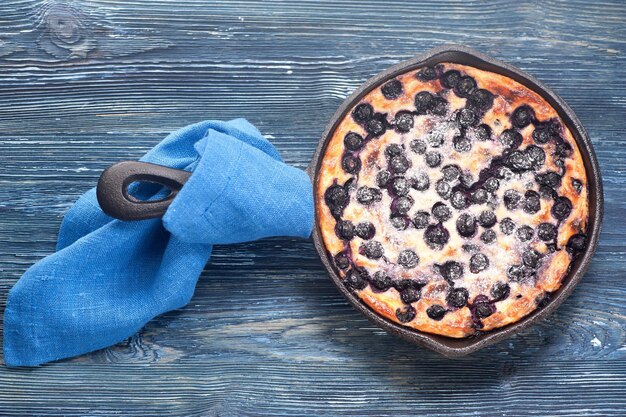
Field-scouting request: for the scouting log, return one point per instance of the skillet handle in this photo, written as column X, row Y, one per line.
column 115, row 200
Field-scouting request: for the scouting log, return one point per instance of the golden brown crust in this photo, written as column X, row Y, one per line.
column 507, row 249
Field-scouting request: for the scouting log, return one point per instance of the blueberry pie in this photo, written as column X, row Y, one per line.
column 452, row 200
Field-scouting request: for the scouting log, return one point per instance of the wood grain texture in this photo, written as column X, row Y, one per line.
column 84, row 84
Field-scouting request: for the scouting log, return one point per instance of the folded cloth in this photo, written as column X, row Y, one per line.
column 108, row 277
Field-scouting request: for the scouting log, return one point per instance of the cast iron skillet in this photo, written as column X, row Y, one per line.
column 115, row 200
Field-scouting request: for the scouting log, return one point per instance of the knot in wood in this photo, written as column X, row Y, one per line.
column 64, row 25
column 65, row 32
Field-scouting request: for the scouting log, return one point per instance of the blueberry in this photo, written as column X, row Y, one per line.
column 522, row 116
column 507, row 226
column 519, row 161
column 511, row 139
column 382, row 178
column 478, row 262
column 367, row 195
column 400, row 222
column 577, row 243
column 451, row 172
column 450, row 78
column 439, row 106
column 356, row 278
column 461, row 144
column 424, row 101
column 482, row 132
column 483, row 309
column 421, row 182
column 451, row 271
column 353, row 141
column 561, row 208
column 418, row 146
column 465, row 86
column 344, row 229
column 376, row 125
column 550, row 178
column 365, row 230
column 408, row 259
column 399, row 164
column 394, row 150
column 480, row 99
column 457, row 297
column 443, row 189
column 524, row 233
column 436, row 312
column 467, row 118
column 504, row 173
column 546, row 232
column 404, row 283
column 467, row 180
column 404, row 121
column 436, row 236
column 542, row 300
column 421, row 219
column 433, row 159
column 488, row 236
column 459, row 200
column 410, row 295
column 547, row 192
column 351, row 164
column 405, row 314
column 381, row 281
column 563, row 149
column 577, row 185
column 542, row 134
column 500, row 291
column 336, row 198
column 342, row 260
column 527, row 272
column 532, row 259
column 560, row 164
column 487, row 218
column 372, row 249
column 362, row 113
column 400, row 186
column 480, row 196
column 517, row 273
column 392, row 89
column 401, row 205
column 512, row 199
column 441, row 211
column 470, row 248
column 491, row 184
column 532, row 202
column 536, row 155
column 435, row 139
column 427, row 74
column 466, row 225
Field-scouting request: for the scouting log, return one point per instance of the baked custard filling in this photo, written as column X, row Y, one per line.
column 452, row 200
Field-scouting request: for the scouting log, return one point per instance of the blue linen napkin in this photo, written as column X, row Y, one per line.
column 108, row 277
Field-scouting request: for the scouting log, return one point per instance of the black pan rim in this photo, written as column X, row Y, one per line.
column 447, row 346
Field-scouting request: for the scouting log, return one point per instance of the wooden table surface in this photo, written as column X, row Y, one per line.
column 84, row 84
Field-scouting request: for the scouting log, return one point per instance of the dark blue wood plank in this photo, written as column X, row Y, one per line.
column 84, row 84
